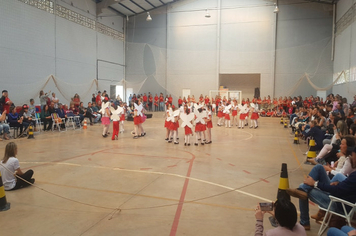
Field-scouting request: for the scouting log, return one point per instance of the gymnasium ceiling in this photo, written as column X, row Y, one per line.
column 130, row 7
column 135, row 7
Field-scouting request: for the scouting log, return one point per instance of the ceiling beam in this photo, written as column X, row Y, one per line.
column 138, row 5
column 127, row 8
column 150, row 3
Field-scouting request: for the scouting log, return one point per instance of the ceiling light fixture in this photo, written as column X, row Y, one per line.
column 149, row 18
column 276, row 8
column 207, row 14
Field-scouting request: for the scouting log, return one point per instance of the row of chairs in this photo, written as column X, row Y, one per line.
column 71, row 122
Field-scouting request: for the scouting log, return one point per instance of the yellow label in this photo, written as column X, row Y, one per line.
column 2, row 192
column 283, row 183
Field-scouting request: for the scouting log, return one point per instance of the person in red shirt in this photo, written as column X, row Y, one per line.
column 145, row 99
column 206, row 100
column 170, row 99
column 5, row 101
column 259, row 102
column 156, row 102
column 161, row 102
column 98, row 99
column 180, row 101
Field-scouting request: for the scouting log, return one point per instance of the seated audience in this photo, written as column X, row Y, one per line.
column 15, row 120
column 46, row 118
column 4, row 128
column 5, row 102
column 94, row 111
column 318, row 178
column 86, row 113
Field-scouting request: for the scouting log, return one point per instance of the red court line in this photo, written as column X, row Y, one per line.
column 181, row 200
column 140, row 155
column 146, row 169
column 264, row 180
column 218, row 159
column 247, row 172
column 231, row 164
column 171, row 166
column 311, row 203
column 208, row 154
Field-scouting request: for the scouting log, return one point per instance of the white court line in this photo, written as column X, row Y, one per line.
column 156, row 173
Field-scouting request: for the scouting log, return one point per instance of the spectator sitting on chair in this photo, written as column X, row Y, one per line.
column 86, row 113
column 46, row 118
column 5, row 101
column 317, row 177
column 5, row 128
column 76, row 113
column 10, row 169
column 286, row 216
column 16, row 121
column 94, row 113
column 26, row 118
column 61, row 113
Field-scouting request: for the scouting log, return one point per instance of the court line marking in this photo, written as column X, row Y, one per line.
column 156, row 173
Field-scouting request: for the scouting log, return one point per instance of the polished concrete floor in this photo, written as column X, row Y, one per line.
column 83, row 179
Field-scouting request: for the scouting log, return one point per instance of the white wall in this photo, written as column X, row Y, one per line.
column 345, row 52
column 196, row 54
column 35, row 44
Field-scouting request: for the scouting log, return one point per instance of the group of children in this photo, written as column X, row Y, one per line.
column 110, row 111
column 246, row 111
column 199, row 115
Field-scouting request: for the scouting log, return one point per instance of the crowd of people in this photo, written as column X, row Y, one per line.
column 331, row 123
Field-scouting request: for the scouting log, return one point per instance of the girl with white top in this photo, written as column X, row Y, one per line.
column 10, row 170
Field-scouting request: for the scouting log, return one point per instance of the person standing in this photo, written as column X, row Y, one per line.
column 5, row 101
column 55, row 100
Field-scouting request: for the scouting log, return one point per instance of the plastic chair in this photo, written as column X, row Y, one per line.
column 70, row 122
column 346, row 215
column 39, row 123
column 57, row 121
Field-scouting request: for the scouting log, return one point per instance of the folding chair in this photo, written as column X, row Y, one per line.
column 39, row 123
column 346, row 215
column 57, row 121
column 70, row 122
column 77, row 121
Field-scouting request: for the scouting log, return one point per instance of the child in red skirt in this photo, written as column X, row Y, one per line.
column 209, row 123
column 187, row 118
column 243, row 115
column 167, row 122
column 137, row 120
column 221, row 114
column 254, row 115
column 199, row 124
column 227, row 115
column 174, row 125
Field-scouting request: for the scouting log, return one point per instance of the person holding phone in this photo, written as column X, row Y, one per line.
column 286, row 215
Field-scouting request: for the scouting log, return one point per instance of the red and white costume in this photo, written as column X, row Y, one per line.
column 254, row 115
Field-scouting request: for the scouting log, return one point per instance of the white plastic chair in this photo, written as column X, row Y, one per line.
column 346, row 215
